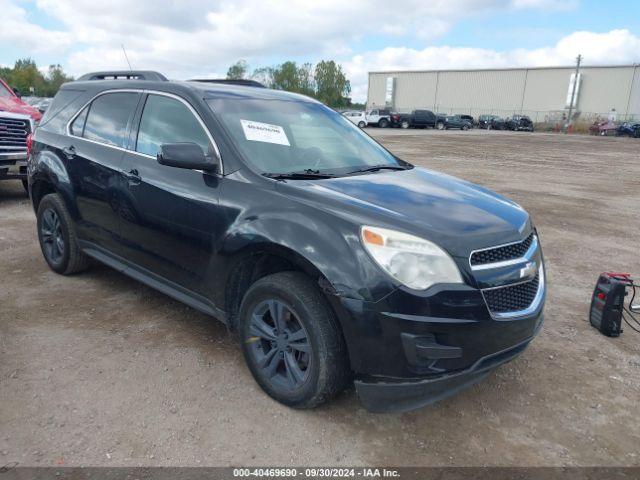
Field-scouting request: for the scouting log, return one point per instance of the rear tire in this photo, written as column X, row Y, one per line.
column 404, row 124
column 440, row 126
column 299, row 358
column 362, row 124
column 57, row 236
column 384, row 123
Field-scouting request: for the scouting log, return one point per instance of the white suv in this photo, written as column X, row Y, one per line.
column 379, row 118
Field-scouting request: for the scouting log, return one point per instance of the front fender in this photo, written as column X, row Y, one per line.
column 260, row 216
column 329, row 244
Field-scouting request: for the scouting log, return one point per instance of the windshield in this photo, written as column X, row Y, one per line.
column 283, row 136
column 4, row 92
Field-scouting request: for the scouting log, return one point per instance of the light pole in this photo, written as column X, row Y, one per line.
column 573, row 92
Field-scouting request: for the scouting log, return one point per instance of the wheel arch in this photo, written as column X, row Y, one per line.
column 256, row 261
column 49, row 175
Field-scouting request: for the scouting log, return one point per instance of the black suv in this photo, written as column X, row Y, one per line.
column 331, row 258
column 491, row 122
column 519, row 123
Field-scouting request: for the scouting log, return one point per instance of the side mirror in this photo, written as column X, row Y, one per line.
column 17, row 92
column 185, row 155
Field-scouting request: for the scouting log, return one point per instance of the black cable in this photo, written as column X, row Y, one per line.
column 630, row 313
column 627, row 322
column 633, row 295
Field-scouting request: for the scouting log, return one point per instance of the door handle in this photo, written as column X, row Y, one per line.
column 69, row 151
column 133, row 176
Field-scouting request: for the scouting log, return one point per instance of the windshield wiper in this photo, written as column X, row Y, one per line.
column 308, row 174
column 376, row 168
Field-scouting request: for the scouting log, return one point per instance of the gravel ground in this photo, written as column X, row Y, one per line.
column 96, row 369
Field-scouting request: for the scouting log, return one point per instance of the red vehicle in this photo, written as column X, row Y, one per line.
column 17, row 122
column 606, row 128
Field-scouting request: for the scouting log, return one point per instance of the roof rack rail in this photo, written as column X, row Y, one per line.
column 124, row 75
column 239, row 81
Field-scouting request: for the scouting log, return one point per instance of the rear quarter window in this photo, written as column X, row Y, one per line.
column 64, row 106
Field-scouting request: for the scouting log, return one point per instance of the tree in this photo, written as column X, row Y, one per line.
column 264, row 75
column 238, row 70
column 54, row 79
column 332, row 86
column 293, row 78
column 25, row 76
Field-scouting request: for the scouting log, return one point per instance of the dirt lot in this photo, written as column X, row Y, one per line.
column 96, row 369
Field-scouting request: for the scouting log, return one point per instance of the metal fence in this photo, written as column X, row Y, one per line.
column 543, row 120
column 537, row 116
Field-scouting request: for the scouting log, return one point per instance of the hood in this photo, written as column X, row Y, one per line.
column 15, row 105
column 457, row 215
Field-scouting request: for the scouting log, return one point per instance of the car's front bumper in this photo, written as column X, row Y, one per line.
column 411, row 349
column 13, row 165
column 401, row 395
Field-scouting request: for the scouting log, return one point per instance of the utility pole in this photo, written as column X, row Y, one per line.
column 573, row 92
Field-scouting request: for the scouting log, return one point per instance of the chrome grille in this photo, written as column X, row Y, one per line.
column 501, row 254
column 512, row 298
column 13, row 134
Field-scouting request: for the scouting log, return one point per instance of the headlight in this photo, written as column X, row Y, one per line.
column 413, row 261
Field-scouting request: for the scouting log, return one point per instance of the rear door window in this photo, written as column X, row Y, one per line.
column 108, row 118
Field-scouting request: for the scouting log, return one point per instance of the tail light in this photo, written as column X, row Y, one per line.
column 29, row 143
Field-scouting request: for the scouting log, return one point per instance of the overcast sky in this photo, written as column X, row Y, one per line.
column 197, row 38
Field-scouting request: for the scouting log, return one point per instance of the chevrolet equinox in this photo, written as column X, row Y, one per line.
column 334, row 261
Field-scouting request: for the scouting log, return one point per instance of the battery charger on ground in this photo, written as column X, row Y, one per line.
column 608, row 309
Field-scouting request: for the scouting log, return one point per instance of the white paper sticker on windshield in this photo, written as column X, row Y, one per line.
column 264, row 132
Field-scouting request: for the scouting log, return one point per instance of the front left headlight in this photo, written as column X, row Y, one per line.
column 413, row 261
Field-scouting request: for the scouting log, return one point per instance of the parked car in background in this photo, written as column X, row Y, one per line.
column 39, row 103
column 629, row 130
column 519, row 123
column 469, row 119
column 456, row 121
column 17, row 123
column 421, row 119
column 603, row 128
column 357, row 118
column 331, row 259
column 491, row 122
column 379, row 117
column 42, row 104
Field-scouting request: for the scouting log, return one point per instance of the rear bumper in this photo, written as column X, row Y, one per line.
column 395, row 396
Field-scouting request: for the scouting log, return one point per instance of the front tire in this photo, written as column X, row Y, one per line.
column 291, row 341
column 384, row 123
column 57, row 237
column 440, row 126
column 361, row 124
column 404, row 124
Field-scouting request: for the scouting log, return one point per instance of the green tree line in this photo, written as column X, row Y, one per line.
column 326, row 81
column 25, row 76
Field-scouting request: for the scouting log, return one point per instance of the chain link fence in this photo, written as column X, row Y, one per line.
column 554, row 120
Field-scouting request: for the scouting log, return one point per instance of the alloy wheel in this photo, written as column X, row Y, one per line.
column 52, row 237
column 279, row 345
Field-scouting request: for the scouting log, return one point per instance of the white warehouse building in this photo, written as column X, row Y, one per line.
column 543, row 93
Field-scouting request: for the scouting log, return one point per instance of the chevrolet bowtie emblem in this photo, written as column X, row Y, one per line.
column 529, row 270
